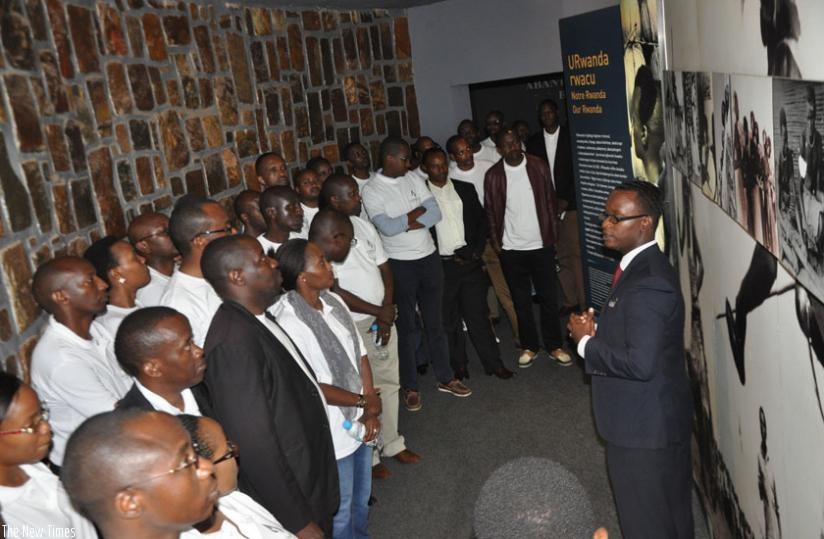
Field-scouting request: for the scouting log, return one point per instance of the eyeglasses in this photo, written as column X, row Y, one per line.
column 44, row 417
column 164, row 232
column 615, row 219
column 228, row 229
column 232, row 452
column 193, row 460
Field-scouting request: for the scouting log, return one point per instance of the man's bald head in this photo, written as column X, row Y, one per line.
column 110, row 452
column 335, row 185
column 332, row 231
column 53, row 276
column 273, row 195
column 143, row 225
column 326, row 222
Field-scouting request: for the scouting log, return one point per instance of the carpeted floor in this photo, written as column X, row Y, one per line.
column 544, row 411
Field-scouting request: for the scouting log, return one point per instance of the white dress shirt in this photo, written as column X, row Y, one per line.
column 40, row 508
column 245, row 519
column 450, row 228
column 195, row 298
column 162, row 405
column 74, row 379
column 305, row 339
column 625, row 260
column 149, row 295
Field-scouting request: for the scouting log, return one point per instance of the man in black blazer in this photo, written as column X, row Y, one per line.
column 154, row 346
column 460, row 237
column 260, row 388
column 640, row 394
column 554, row 139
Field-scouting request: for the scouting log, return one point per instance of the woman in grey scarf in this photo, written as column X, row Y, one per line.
column 322, row 328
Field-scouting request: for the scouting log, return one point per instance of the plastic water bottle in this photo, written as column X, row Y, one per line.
column 381, row 348
column 357, row 430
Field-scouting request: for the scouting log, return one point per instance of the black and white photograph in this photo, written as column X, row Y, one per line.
column 798, row 163
column 752, row 158
column 691, row 151
column 674, row 120
column 723, row 127
column 705, row 170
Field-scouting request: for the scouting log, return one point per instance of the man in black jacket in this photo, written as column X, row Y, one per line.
column 460, row 237
column 260, row 388
column 154, row 346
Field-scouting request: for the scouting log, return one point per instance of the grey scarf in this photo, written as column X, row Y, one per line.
column 344, row 374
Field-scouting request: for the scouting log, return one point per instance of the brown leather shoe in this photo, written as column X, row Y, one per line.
column 405, row 457
column 380, row 471
column 502, row 372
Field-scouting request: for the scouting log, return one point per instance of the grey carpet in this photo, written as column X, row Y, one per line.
column 544, row 411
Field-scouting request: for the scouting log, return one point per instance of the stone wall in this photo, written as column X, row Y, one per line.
column 118, row 107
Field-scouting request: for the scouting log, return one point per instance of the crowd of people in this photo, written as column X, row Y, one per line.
column 294, row 331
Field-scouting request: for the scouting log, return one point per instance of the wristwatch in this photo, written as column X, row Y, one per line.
column 361, row 402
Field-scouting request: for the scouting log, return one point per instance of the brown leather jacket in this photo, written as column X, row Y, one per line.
column 545, row 205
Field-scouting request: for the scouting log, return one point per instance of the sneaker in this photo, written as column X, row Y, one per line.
column 412, row 400
column 561, row 357
column 456, row 388
column 526, row 358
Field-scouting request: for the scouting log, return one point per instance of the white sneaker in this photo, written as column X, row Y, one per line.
column 561, row 357
column 526, row 358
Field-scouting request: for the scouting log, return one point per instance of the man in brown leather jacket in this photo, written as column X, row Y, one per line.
column 523, row 223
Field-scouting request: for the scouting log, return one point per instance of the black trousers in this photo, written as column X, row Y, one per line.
column 653, row 491
column 464, row 297
column 538, row 268
column 419, row 284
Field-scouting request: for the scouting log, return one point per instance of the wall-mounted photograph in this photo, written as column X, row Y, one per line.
column 799, row 166
column 752, row 158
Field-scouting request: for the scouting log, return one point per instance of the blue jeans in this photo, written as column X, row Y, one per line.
column 355, row 476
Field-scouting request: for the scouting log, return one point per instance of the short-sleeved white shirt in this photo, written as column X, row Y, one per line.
column 195, row 298
column 74, row 379
column 305, row 340
column 394, row 197
column 359, row 273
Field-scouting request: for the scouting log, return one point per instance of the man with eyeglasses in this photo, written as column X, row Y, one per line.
column 154, row 346
column 135, row 474
column 402, row 209
column 149, row 234
column 640, row 395
column 195, row 222
column 69, row 369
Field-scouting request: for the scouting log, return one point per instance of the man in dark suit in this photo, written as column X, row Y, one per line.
column 260, row 388
column 154, row 346
column 460, row 237
column 552, row 145
column 640, row 395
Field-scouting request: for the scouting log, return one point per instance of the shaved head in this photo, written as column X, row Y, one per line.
column 52, row 275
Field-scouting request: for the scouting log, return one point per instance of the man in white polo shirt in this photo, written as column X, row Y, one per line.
column 195, row 222
column 402, row 209
column 523, row 222
column 69, row 369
